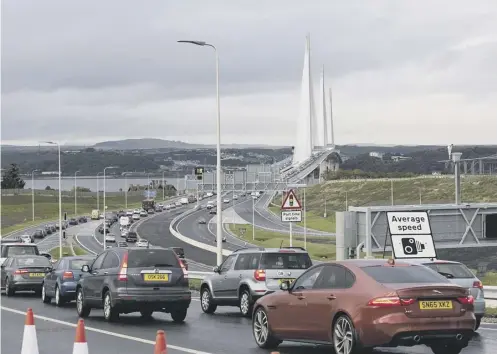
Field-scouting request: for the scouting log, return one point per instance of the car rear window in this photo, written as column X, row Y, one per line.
column 132, row 234
column 152, row 257
column 283, row 260
column 403, row 274
column 451, row 270
column 20, row 250
column 33, row 262
column 76, row 264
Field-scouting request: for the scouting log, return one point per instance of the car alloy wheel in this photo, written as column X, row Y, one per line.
column 44, row 294
column 205, row 300
column 343, row 336
column 245, row 303
column 58, row 301
column 261, row 328
column 79, row 302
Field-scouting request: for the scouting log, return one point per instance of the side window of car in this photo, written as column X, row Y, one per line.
column 307, row 280
column 334, row 277
column 97, row 264
column 111, row 261
column 227, row 263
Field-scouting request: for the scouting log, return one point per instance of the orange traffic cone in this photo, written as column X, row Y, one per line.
column 80, row 345
column 160, row 343
column 29, row 340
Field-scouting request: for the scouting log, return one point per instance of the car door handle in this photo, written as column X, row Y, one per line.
column 301, row 297
column 105, row 273
column 331, row 297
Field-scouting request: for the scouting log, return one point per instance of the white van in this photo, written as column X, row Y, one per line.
column 183, row 201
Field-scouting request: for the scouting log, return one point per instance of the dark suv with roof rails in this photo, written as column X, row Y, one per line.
column 125, row 280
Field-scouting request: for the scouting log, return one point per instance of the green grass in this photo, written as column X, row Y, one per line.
column 491, row 312
column 337, row 195
column 66, row 251
column 195, row 284
column 16, row 210
column 79, row 251
column 271, row 239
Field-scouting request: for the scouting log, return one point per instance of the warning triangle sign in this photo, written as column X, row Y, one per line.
column 291, row 202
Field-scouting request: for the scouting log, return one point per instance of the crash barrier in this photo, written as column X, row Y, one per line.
column 30, row 340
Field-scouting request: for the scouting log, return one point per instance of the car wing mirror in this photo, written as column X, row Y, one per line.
column 85, row 268
column 285, row 286
column 47, row 255
column 216, row 269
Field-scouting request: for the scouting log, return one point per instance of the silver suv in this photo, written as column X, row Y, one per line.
column 250, row 273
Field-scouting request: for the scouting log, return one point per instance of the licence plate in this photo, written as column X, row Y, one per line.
column 435, row 305
column 36, row 275
column 156, row 277
column 290, row 280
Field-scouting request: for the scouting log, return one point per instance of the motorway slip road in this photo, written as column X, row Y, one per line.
column 225, row 332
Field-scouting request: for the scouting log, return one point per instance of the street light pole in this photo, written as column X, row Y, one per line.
column 219, row 231
column 163, row 186
column 33, row 192
column 75, row 193
column 98, row 192
column 60, row 197
column 126, row 190
column 105, row 216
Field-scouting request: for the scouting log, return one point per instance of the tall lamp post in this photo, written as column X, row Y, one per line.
column 33, row 192
column 219, row 231
column 76, row 193
column 105, row 216
column 163, row 186
column 456, row 158
column 60, row 197
column 148, row 185
column 98, row 192
column 126, row 190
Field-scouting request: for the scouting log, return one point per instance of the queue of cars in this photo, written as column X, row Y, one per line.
column 356, row 305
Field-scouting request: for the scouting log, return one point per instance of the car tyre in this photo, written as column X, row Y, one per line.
column 110, row 312
column 206, row 302
column 262, row 331
column 179, row 315
column 9, row 291
column 448, row 348
column 82, row 308
column 44, row 297
column 245, row 303
column 478, row 322
column 344, row 332
column 59, row 299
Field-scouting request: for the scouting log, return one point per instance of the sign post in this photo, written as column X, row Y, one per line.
column 291, row 211
column 411, row 235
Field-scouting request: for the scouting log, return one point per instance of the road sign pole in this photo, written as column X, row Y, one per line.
column 291, row 244
column 305, row 223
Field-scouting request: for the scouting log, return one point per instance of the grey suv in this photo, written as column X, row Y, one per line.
column 250, row 273
column 125, row 280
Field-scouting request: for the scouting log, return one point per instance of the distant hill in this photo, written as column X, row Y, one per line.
column 148, row 144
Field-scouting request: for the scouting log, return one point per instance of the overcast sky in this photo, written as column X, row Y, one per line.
column 402, row 72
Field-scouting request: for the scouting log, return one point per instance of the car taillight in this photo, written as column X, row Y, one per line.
column 260, row 275
column 123, row 272
column 21, row 271
column 390, row 301
column 183, row 268
column 68, row 275
column 466, row 300
column 478, row 284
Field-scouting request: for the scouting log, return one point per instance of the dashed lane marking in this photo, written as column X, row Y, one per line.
column 109, row 333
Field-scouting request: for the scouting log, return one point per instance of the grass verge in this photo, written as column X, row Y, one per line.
column 271, row 239
column 491, row 312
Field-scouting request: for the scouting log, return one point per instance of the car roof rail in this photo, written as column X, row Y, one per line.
column 297, row 248
column 249, row 248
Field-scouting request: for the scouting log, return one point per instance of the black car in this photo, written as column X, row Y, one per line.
column 48, row 229
column 212, row 211
column 122, row 244
column 38, row 234
column 126, row 280
column 101, row 229
column 83, row 219
column 24, row 273
column 73, row 221
column 131, row 236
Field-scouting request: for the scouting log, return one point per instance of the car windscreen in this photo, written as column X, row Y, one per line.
column 76, row 264
column 152, row 257
column 403, row 274
column 20, row 250
column 32, row 262
column 284, row 260
column 451, row 270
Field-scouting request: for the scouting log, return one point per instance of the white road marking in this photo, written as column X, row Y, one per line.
column 109, row 333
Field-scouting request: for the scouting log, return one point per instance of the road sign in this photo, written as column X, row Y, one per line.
column 291, row 202
column 149, row 194
column 410, row 233
column 291, row 215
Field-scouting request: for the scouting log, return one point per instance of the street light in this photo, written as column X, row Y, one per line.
column 76, row 193
column 98, row 193
column 219, row 231
column 105, row 216
column 148, row 185
column 456, row 158
column 126, row 190
column 163, row 186
column 33, row 191
column 60, row 197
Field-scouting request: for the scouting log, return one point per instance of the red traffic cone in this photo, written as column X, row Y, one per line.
column 80, row 345
column 29, row 340
column 160, row 343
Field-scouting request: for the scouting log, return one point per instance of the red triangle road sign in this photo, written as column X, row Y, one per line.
column 291, row 201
